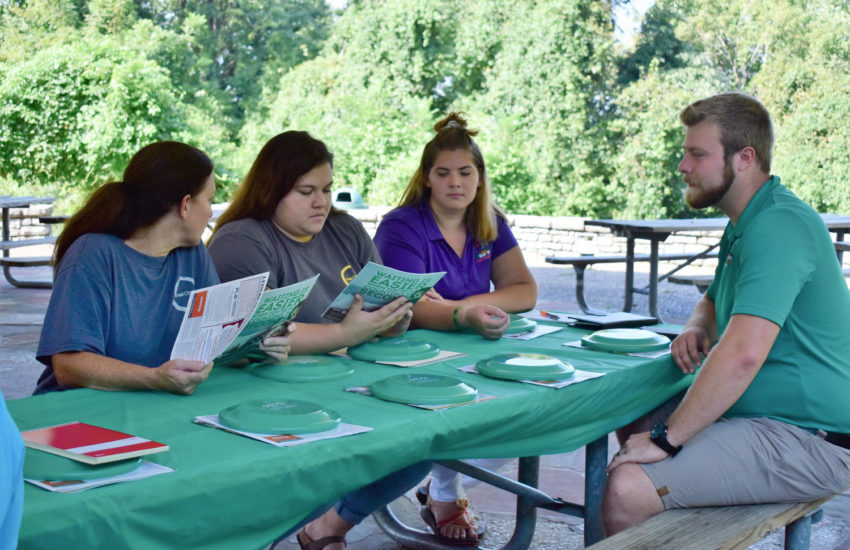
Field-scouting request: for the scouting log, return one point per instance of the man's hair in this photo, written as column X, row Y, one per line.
column 743, row 122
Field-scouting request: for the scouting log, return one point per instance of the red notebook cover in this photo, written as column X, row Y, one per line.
column 90, row 444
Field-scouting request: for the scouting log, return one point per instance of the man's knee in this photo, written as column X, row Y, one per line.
column 629, row 498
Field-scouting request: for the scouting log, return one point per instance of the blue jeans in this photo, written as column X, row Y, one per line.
column 359, row 504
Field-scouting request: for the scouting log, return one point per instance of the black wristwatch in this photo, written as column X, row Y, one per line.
column 658, row 435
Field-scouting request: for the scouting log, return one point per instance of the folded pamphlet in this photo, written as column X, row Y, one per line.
column 230, row 319
column 380, row 285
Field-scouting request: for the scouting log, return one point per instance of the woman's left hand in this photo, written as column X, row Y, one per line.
column 278, row 347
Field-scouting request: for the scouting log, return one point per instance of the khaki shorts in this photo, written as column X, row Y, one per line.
column 750, row 461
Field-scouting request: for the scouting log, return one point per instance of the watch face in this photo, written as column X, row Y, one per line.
column 658, row 430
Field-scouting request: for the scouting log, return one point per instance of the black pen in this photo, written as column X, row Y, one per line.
column 549, row 315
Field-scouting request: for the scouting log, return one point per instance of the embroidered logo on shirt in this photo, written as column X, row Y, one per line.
column 484, row 253
column 347, row 274
column 731, row 255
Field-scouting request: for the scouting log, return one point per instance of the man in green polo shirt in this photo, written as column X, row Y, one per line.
column 767, row 417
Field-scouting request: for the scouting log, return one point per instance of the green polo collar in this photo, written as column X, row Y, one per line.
column 756, row 205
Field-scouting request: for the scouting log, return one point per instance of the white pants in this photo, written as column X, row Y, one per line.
column 447, row 485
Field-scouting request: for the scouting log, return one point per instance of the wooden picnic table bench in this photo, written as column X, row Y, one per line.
column 580, row 264
column 719, row 527
column 702, row 282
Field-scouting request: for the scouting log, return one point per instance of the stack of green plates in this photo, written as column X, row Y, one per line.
column 43, row 466
column 525, row 366
column 625, row 340
column 394, row 349
column 424, row 389
column 278, row 416
column 520, row 324
column 303, row 368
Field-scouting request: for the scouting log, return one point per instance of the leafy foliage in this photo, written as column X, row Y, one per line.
column 570, row 121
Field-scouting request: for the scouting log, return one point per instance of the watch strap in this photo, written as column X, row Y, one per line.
column 659, row 437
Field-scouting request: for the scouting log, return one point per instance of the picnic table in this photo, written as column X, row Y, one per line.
column 656, row 232
column 6, row 244
column 229, row 491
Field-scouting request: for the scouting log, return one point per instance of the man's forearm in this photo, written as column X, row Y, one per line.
column 725, row 375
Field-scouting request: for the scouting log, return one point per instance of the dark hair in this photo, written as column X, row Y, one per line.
column 743, row 122
column 281, row 161
column 453, row 135
column 156, row 179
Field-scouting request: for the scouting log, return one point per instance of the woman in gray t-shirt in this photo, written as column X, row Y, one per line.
column 281, row 221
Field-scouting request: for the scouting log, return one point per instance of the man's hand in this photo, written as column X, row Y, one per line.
column 639, row 449
column 690, row 348
column 181, row 376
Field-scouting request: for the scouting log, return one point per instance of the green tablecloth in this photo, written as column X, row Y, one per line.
column 231, row 492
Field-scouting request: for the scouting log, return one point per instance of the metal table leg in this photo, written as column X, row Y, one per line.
column 653, row 279
column 595, row 462
column 529, row 498
column 630, row 273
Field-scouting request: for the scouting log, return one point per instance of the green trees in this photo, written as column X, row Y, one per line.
column 792, row 55
column 570, row 121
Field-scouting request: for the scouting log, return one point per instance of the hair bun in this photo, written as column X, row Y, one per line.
column 453, row 120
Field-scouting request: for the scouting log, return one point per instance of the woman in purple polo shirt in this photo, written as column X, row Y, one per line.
column 447, row 221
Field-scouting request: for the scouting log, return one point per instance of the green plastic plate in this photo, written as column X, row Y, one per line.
column 44, row 466
column 525, row 366
column 424, row 389
column 303, row 368
column 279, row 416
column 625, row 340
column 520, row 324
column 394, row 349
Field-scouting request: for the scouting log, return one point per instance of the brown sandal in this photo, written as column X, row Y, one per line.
column 306, row 543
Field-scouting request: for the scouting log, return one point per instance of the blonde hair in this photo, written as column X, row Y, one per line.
column 453, row 135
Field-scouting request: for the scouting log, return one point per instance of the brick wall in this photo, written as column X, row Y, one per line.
column 24, row 224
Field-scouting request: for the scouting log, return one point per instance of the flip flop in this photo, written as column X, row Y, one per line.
column 479, row 521
column 428, row 517
column 306, row 543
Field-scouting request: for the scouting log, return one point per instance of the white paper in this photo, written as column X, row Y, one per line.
column 539, row 330
column 145, row 469
column 578, row 376
column 380, row 285
column 215, row 316
column 284, row 440
column 276, row 308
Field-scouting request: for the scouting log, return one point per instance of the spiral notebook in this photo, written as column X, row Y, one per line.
column 90, row 444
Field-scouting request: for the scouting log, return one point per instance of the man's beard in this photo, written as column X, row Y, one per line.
column 699, row 197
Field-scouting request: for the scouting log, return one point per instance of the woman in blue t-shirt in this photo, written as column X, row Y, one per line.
column 447, row 221
column 124, row 267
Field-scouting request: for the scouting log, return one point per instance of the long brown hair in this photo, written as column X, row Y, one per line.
column 281, row 161
column 156, row 179
column 453, row 135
